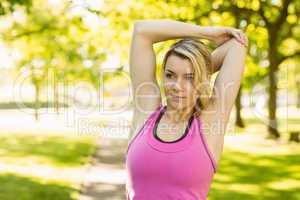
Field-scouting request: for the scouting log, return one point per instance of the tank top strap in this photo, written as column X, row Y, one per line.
column 152, row 117
column 205, row 144
column 147, row 124
column 170, row 147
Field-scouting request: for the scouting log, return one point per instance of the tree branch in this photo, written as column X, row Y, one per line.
column 282, row 58
column 284, row 13
column 29, row 32
column 243, row 10
column 286, row 31
column 263, row 16
column 250, row 12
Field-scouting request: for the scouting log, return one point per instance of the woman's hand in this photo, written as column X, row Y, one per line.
column 221, row 34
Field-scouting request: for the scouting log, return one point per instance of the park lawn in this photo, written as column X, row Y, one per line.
column 50, row 166
column 254, row 168
column 43, row 166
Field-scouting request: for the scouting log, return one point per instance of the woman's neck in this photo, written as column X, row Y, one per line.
column 174, row 115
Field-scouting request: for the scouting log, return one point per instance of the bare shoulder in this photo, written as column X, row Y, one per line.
column 139, row 118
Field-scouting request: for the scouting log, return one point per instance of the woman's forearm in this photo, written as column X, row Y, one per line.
column 165, row 29
column 219, row 54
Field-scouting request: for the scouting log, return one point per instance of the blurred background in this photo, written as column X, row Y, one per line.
column 66, row 99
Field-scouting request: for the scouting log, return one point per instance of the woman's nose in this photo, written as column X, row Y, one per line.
column 179, row 84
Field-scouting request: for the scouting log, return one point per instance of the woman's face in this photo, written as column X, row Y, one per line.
column 179, row 83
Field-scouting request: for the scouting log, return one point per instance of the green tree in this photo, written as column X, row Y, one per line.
column 281, row 22
column 57, row 40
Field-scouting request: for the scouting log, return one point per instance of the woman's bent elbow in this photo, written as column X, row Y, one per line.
column 137, row 26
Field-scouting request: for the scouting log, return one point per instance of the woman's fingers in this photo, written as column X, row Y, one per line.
column 243, row 36
column 240, row 36
column 237, row 36
column 245, row 39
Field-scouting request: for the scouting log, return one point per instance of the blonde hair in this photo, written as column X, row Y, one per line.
column 198, row 54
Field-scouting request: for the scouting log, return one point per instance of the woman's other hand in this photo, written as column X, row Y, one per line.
column 221, row 34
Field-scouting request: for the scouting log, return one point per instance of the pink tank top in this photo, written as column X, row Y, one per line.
column 161, row 170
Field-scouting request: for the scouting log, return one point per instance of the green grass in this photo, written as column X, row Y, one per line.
column 14, row 187
column 42, row 166
column 43, row 104
column 249, row 176
column 52, row 149
column 254, row 168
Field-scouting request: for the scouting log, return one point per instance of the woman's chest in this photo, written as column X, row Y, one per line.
column 189, row 166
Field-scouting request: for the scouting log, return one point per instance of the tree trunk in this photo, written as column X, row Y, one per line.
column 37, row 101
column 239, row 121
column 56, row 102
column 272, row 125
column 298, row 94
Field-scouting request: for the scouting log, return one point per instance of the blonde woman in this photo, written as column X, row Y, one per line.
column 174, row 149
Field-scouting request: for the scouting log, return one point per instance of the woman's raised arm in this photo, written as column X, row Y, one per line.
column 229, row 59
column 142, row 60
column 165, row 29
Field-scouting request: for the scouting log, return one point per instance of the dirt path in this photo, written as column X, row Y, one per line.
column 105, row 177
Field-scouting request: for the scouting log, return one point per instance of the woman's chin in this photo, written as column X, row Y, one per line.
column 176, row 104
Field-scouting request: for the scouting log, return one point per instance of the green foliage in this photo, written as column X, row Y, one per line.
column 8, row 6
column 56, row 38
column 63, row 41
column 59, row 39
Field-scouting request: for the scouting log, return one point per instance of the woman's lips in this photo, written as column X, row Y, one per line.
column 177, row 98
